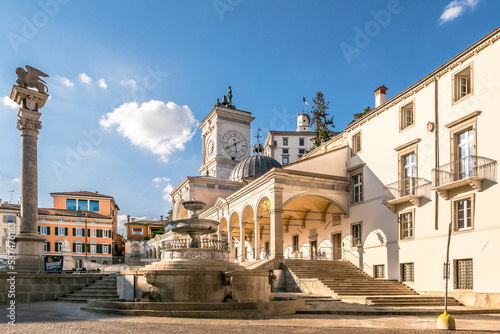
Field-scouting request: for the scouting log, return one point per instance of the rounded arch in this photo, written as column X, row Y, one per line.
column 248, row 214
column 310, row 196
column 180, row 212
column 234, row 220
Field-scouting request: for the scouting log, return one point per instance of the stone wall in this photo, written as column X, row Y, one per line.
column 40, row 287
column 478, row 299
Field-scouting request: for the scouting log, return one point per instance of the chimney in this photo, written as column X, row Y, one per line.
column 128, row 218
column 380, row 95
column 161, row 218
column 133, row 220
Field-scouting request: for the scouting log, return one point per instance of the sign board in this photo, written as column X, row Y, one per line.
column 53, row 264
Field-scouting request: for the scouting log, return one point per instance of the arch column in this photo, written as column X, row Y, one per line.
column 276, row 218
column 256, row 238
column 242, row 241
column 230, row 239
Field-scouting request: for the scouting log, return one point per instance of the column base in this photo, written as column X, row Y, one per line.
column 29, row 253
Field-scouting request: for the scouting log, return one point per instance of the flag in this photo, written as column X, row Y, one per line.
column 304, row 100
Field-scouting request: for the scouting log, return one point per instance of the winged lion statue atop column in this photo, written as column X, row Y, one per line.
column 31, row 78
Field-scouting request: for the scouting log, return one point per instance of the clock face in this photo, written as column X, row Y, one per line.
column 234, row 144
column 211, row 147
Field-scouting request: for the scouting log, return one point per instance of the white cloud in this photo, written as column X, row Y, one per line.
column 16, row 180
column 102, row 84
column 66, row 82
column 456, row 8
column 130, row 82
column 9, row 103
column 162, row 128
column 167, row 189
column 84, row 78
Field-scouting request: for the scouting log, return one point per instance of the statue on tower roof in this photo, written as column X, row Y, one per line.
column 31, row 79
column 230, row 96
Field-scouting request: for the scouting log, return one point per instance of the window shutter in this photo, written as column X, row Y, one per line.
column 5, row 219
column 56, row 246
column 48, row 246
column 66, row 231
column 57, row 232
column 74, row 233
column 110, row 249
column 88, row 247
column 74, row 247
column 88, row 232
column 48, row 229
column 100, row 233
column 99, row 248
column 38, row 228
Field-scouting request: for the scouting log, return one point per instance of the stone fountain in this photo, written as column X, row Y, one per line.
column 195, row 279
column 196, row 267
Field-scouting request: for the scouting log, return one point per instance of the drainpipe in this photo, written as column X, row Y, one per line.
column 436, row 151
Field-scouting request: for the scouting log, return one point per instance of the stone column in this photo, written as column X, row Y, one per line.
column 242, row 241
column 276, row 217
column 256, row 237
column 230, row 239
column 29, row 242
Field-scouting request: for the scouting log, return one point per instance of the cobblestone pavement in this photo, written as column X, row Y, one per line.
column 57, row 317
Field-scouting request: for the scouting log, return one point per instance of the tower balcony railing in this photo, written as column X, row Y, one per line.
column 409, row 190
column 468, row 171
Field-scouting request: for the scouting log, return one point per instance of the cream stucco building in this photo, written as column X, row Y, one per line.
column 382, row 193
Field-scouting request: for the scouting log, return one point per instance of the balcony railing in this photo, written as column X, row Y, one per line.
column 471, row 167
column 411, row 186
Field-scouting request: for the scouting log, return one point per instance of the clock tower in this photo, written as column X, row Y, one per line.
column 225, row 134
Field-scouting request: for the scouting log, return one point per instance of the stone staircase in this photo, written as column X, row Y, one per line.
column 349, row 283
column 103, row 289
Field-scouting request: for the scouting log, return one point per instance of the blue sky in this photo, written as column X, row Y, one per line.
column 130, row 80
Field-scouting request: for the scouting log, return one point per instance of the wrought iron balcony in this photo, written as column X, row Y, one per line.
column 409, row 190
column 469, row 171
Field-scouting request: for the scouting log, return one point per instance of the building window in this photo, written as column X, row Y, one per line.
column 61, row 219
column 79, row 232
column 45, row 247
column 83, row 205
column 43, row 219
column 406, row 225
column 465, row 153
column 356, row 143
column 463, row 84
column 295, row 243
column 94, row 205
column 78, row 220
column 70, row 204
column 285, row 151
column 105, row 249
column 302, row 151
column 409, row 167
column 10, row 219
column 301, row 141
column 106, row 233
column 61, row 231
column 285, row 141
column 407, row 272
column 356, row 235
column 44, row 230
column 463, row 274
column 406, row 116
column 284, row 161
column 463, row 213
column 357, row 188
column 79, row 247
column 379, row 271
column 137, row 231
column 93, row 232
column 93, row 248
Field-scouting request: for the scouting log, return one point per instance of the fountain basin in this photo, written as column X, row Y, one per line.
column 193, row 226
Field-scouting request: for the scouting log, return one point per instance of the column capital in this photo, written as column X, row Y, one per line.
column 29, row 126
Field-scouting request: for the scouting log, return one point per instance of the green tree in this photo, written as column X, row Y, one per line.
column 321, row 120
column 361, row 114
column 155, row 233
